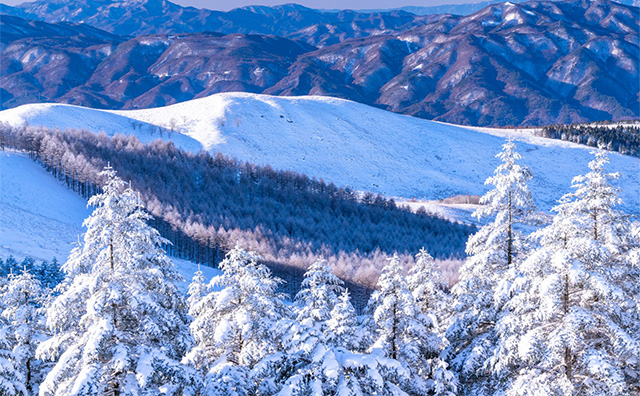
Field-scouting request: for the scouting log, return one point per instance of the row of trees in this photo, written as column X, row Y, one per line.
column 623, row 138
column 203, row 204
column 556, row 311
column 552, row 312
column 47, row 273
column 118, row 325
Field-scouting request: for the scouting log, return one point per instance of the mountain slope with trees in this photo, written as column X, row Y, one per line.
column 531, row 63
column 347, row 143
column 205, row 204
column 564, row 318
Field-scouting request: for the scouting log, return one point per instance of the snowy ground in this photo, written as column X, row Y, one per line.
column 451, row 212
column 41, row 218
column 346, row 143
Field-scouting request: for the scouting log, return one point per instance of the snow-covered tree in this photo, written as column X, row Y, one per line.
column 318, row 295
column 12, row 382
column 24, row 325
column 197, row 288
column 120, row 324
column 237, row 323
column 400, row 334
column 486, row 275
column 576, row 312
column 428, row 288
column 342, row 327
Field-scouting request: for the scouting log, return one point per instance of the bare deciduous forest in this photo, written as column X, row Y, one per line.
column 206, row 203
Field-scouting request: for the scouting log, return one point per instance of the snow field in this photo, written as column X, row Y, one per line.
column 41, row 218
column 346, row 143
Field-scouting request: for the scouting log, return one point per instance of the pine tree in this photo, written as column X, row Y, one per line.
column 399, row 333
column 428, row 288
column 197, row 288
column 12, row 382
column 577, row 313
column 342, row 327
column 10, row 266
column 318, row 295
column 119, row 325
column 25, row 329
column 487, row 274
column 236, row 324
column 49, row 274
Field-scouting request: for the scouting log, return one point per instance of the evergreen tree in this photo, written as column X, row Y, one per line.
column 12, row 382
column 197, row 288
column 342, row 327
column 318, row 295
column 236, row 324
column 119, row 325
column 577, row 312
column 428, row 288
column 10, row 266
column 400, row 335
column 25, row 328
column 487, row 274
column 49, row 274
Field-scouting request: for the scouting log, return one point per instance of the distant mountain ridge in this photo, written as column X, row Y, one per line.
column 140, row 17
column 509, row 64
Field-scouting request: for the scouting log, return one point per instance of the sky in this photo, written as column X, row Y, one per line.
column 327, row 4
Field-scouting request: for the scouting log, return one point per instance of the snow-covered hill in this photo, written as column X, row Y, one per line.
column 41, row 218
column 344, row 142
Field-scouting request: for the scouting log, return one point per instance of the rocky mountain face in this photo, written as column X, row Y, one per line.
column 508, row 64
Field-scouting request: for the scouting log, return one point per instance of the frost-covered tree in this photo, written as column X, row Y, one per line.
column 307, row 364
column 399, row 362
column 428, row 288
column 12, row 382
column 400, row 333
column 486, row 275
column 319, row 293
column 119, row 325
column 197, row 288
column 24, row 325
column 577, row 315
column 342, row 327
column 236, row 324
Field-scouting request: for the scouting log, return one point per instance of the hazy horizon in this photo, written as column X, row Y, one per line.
column 225, row 5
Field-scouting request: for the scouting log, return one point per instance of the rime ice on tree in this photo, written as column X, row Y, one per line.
column 120, row 323
column 577, row 313
column 486, row 276
column 235, row 327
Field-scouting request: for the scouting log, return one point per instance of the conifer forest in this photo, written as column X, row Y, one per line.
column 543, row 304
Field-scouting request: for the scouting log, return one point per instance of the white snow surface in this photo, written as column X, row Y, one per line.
column 347, row 143
column 41, row 218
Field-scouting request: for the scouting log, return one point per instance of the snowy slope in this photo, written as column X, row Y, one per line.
column 41, row 218
column 346, row 143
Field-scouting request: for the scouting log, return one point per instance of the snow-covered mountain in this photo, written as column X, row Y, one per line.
column 344, row 142
column 532, row 63
column 41, row 218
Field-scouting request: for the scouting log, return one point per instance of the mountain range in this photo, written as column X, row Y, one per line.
column 530, row 63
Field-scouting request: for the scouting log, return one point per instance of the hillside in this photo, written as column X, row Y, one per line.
column 531, row 63
column 343, row 142
column 42, row 218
